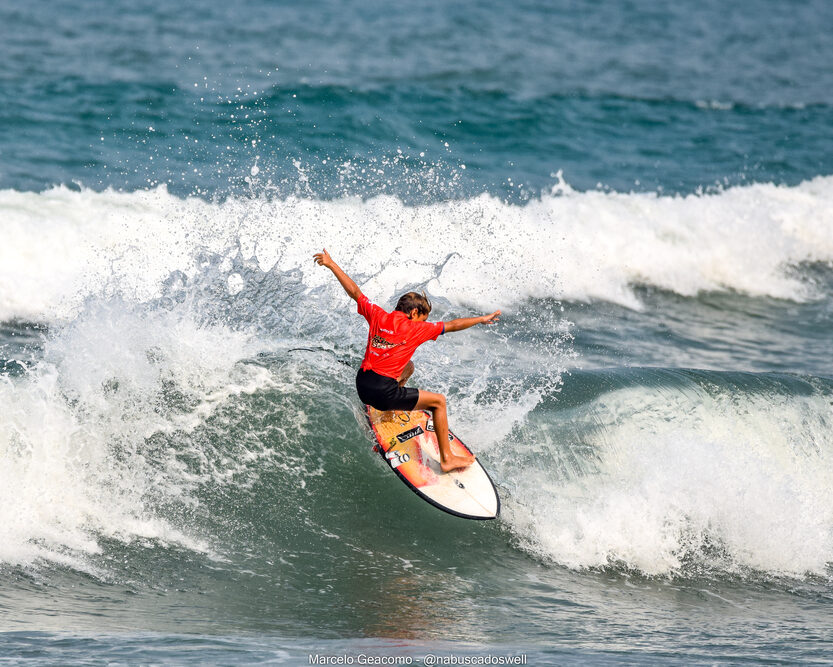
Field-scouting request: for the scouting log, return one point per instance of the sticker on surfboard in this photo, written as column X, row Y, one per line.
column 408, row 444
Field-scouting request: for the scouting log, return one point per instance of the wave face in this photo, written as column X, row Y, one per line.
column 192, row 350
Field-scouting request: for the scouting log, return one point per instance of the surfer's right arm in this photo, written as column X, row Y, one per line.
column 349, row 285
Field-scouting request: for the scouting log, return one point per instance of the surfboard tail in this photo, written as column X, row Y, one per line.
column 408, row 444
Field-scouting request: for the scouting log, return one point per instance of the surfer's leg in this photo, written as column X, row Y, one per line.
column 407, row 372
column 436, row 403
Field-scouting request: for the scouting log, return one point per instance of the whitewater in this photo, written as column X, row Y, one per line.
column 64, row 244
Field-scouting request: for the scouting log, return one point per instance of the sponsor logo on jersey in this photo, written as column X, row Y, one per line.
column 382, row 344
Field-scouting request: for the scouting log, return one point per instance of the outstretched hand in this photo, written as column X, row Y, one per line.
column 323, row 258
column 491, row 319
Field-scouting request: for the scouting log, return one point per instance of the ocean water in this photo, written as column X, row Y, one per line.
column 645, row 189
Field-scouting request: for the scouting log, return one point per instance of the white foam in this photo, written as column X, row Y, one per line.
column 75, row 460
column 60, row 246
column 671, row 481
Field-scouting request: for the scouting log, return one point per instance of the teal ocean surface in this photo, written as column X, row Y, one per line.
column 645, row 189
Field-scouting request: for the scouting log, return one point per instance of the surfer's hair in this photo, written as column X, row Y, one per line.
column 407, row 302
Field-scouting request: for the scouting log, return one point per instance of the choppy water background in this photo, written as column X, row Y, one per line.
column 647, row 192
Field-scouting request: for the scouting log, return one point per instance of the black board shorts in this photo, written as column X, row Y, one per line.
column 384, row 393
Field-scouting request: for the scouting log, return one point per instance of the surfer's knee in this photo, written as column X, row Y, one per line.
column 428, row 399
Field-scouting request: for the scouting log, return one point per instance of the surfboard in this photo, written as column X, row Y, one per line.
column 408, row 444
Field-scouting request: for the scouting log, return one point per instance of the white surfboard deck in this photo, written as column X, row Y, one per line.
column 408, row 444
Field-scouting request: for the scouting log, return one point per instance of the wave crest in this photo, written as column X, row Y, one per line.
column 60, row 246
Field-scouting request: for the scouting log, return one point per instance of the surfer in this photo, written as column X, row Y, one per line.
column 387, row 365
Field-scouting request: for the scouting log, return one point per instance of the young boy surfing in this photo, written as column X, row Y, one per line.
column 387, row 365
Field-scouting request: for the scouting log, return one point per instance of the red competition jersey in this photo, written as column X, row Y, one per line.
column 393, row 338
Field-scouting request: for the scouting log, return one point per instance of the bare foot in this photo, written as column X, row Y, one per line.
column 455, row 462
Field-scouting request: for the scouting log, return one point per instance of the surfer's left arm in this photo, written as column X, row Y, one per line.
column 349, row 285
column 467, row 322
